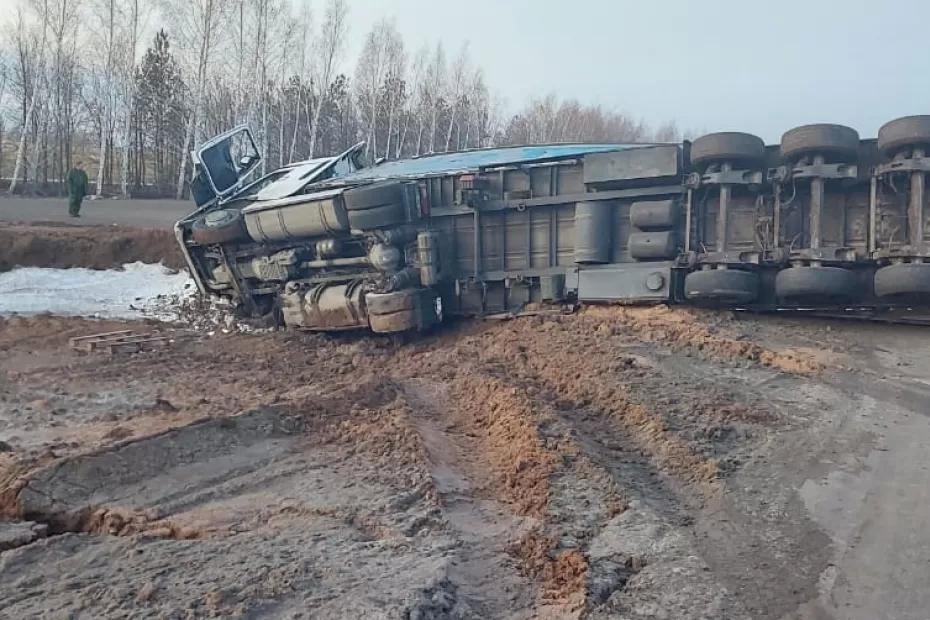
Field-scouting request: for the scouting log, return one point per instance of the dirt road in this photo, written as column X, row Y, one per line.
column 617, row 463
column 138, row 213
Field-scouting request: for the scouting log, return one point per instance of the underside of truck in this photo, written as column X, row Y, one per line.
column 824, row 222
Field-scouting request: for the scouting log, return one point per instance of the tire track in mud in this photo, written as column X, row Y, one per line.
column 680, row 477
column 486, row 578
column 663, row 438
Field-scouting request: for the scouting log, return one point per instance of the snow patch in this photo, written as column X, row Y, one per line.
column 136, row 291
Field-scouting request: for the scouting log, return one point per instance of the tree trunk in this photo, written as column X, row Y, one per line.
column 432, row 127
column 188, row 136
column 451, row 124
column 103, row 150
column 399, row 150
column 21, row 149
column 290, row 156
column 315, row 127
column 124, row 167
column 419, row 133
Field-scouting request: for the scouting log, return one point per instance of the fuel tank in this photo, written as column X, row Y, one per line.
column 296, row 217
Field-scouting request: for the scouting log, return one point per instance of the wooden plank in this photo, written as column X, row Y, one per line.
column 78, row 339
column 119, row 341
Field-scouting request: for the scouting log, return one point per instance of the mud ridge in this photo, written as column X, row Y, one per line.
column 694, row 329
column 93, row 247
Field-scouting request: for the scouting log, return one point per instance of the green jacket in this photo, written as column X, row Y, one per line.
column 77, row 183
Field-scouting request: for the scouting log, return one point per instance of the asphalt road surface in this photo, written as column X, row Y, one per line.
column 138, row 213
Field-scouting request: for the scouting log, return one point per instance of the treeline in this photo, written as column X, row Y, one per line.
column 82, row 80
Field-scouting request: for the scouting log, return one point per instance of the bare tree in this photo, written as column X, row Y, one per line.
column 435, row 88
column 63, row 17
column 457, row 86
column 39, row 71
column 549, row 120
column 4, row 77
column 667, row 132
column 326, row 58
column 370, row 74
column 287, row 32
column 133, row 23
column 75, row 82
column 197, row 23
column 394, row 85
column 304, row 28
column 106, row 86
column 413, row 102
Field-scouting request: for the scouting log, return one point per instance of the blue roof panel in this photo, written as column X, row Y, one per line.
column 465, row 161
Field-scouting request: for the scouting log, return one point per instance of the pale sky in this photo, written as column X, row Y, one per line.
column 709, row 64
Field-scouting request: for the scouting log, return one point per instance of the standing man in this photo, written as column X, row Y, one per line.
column 77, row 189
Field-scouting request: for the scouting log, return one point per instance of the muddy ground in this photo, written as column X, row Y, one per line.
column 52, row 244
column 614, row 463
column 647, row 463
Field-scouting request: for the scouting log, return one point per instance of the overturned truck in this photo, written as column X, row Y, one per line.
column 823, row 222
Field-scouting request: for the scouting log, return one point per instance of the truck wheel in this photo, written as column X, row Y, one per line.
column 394, row 312
column 835, row 141
column 815, row 285
column 904, row 281
column 722, row 286
column 731, row 146
column 373, row 196
column 904, row 132
column 378, row 217
column 219, row 226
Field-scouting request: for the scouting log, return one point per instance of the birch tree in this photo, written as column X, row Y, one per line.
column 63, row 17
column 394, row 86
column 382, row 46
column 304, row 27
column 325, row 59
column 457, row 85
column 4, row 78
column 435, row 89
column 133, row 17
column 38, row 72
column 412, row 103
column 106, row 82
column 196, row 23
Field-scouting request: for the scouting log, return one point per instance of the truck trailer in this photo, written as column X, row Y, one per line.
column 824, row 222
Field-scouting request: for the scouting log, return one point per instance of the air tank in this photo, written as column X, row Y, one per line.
column 593, row 222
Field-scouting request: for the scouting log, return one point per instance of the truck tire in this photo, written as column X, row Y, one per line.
column 373, row 196
column 220, row 226
column 905, row 280
column 729, row 146
column 722, row 286
column 378, row 217
column 903, row 132
column 394, row 312
column 815, row 285
column 834, row 141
